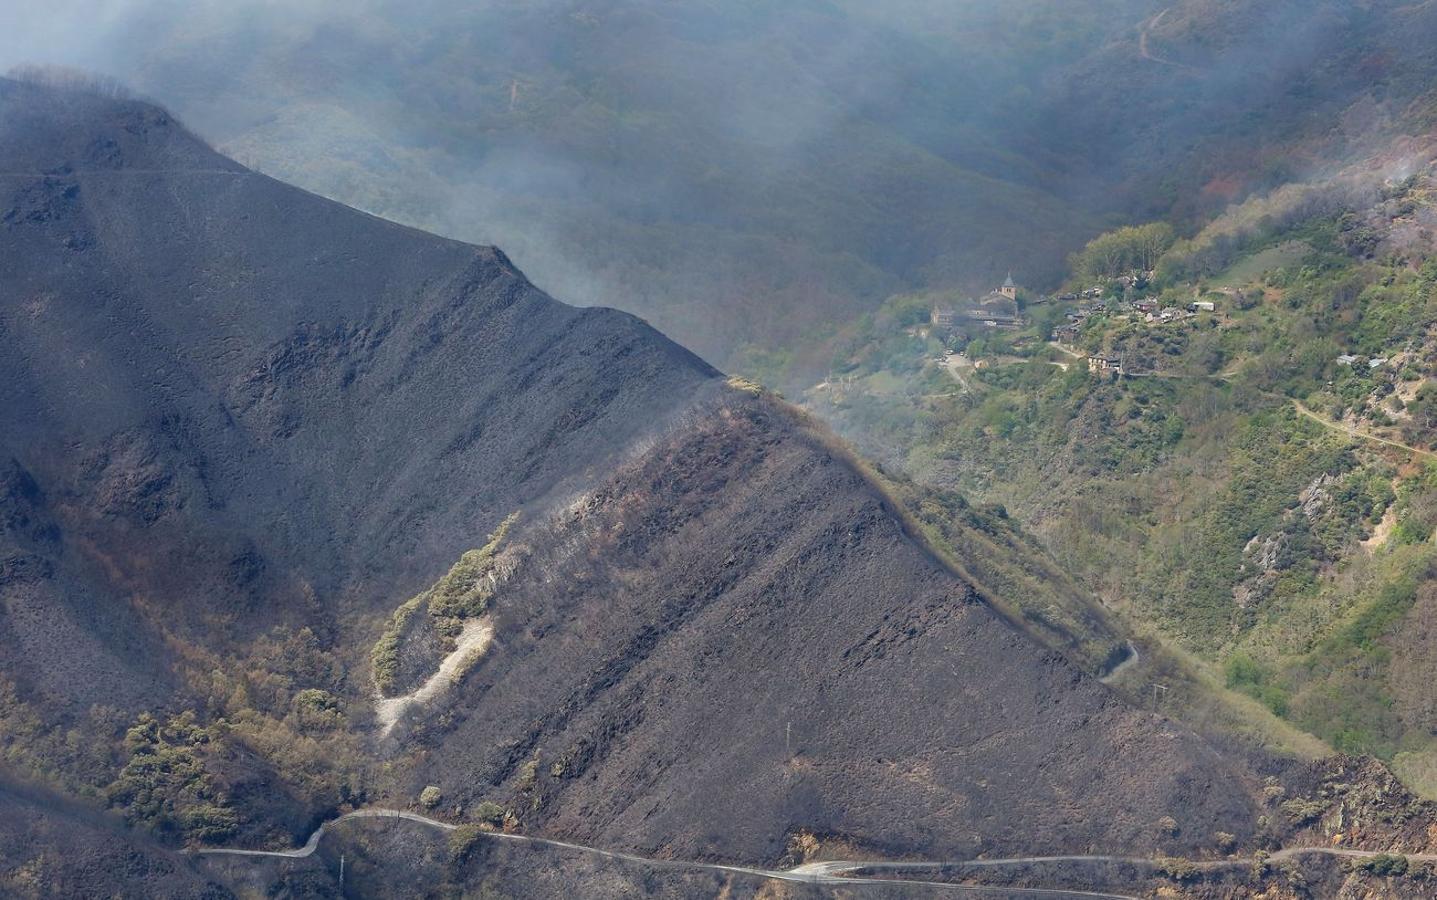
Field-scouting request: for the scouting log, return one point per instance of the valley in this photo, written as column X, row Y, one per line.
column 679, row 534
column 807, row 555
column 813, row 160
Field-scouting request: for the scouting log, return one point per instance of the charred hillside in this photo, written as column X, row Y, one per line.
column 256, row 455
column 54, row 847
column 739, row 607
column 235, row 400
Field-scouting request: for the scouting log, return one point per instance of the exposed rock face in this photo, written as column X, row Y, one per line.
column 1354, row 801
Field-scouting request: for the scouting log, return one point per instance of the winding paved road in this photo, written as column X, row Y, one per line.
column 827, row 872
column 814, row 873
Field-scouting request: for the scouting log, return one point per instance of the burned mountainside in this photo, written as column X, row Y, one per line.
column 303, row 511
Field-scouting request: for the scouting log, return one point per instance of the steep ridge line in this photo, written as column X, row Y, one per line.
column 825, row 872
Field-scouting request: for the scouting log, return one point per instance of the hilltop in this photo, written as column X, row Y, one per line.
column 273, row 460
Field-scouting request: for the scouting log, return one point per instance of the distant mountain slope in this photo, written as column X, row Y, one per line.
column 251, row 424
column 1208, row 101
column 750, row 176
column 735, row 173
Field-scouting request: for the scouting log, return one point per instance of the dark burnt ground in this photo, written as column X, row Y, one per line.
column 54, row 847
column 733, row 639
column 233, row 405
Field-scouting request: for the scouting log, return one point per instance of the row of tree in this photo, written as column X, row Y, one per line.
column 1133, row 248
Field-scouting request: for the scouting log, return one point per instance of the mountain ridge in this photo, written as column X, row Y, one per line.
column 256, row 421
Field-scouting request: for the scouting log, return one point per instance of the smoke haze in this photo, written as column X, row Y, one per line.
column 747, row 175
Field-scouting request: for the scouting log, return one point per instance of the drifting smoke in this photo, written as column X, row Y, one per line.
column 740, row 173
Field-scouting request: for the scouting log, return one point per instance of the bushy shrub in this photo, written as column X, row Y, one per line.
column 489, row 813
column 385, row 656
column 1177, row 868
column 462, row 841
column 317, row 709
column 1385, row 864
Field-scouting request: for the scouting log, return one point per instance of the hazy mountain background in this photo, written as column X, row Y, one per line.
column 254, row 430
column 750, row 175
column 304, row 511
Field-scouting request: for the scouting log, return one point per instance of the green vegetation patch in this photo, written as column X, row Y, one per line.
column 165, row 786
column 1124, row 250
column 463, row 593
column 1290, row 553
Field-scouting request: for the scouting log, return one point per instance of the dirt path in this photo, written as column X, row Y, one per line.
column 1383, row 530
column 1354, row 431
column 954, row 364
column 473, row 641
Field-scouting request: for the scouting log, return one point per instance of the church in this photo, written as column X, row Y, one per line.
column 996, row 309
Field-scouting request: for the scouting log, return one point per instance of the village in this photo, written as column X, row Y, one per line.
column 1113, row 328
column 1004, row 309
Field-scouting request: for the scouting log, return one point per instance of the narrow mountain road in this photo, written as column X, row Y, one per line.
column 812, row 874
column 1354, row 431
column 826, row 872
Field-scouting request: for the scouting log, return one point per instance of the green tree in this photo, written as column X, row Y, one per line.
column 1128, row 249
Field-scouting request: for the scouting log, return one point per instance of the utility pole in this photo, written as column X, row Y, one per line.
column 341, row 873
column 788, row 739
column 1156, row 689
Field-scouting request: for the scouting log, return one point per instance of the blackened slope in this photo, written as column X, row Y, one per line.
column 239, row 404
column 237, row 401
column 52, row 847
column 733, row 639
